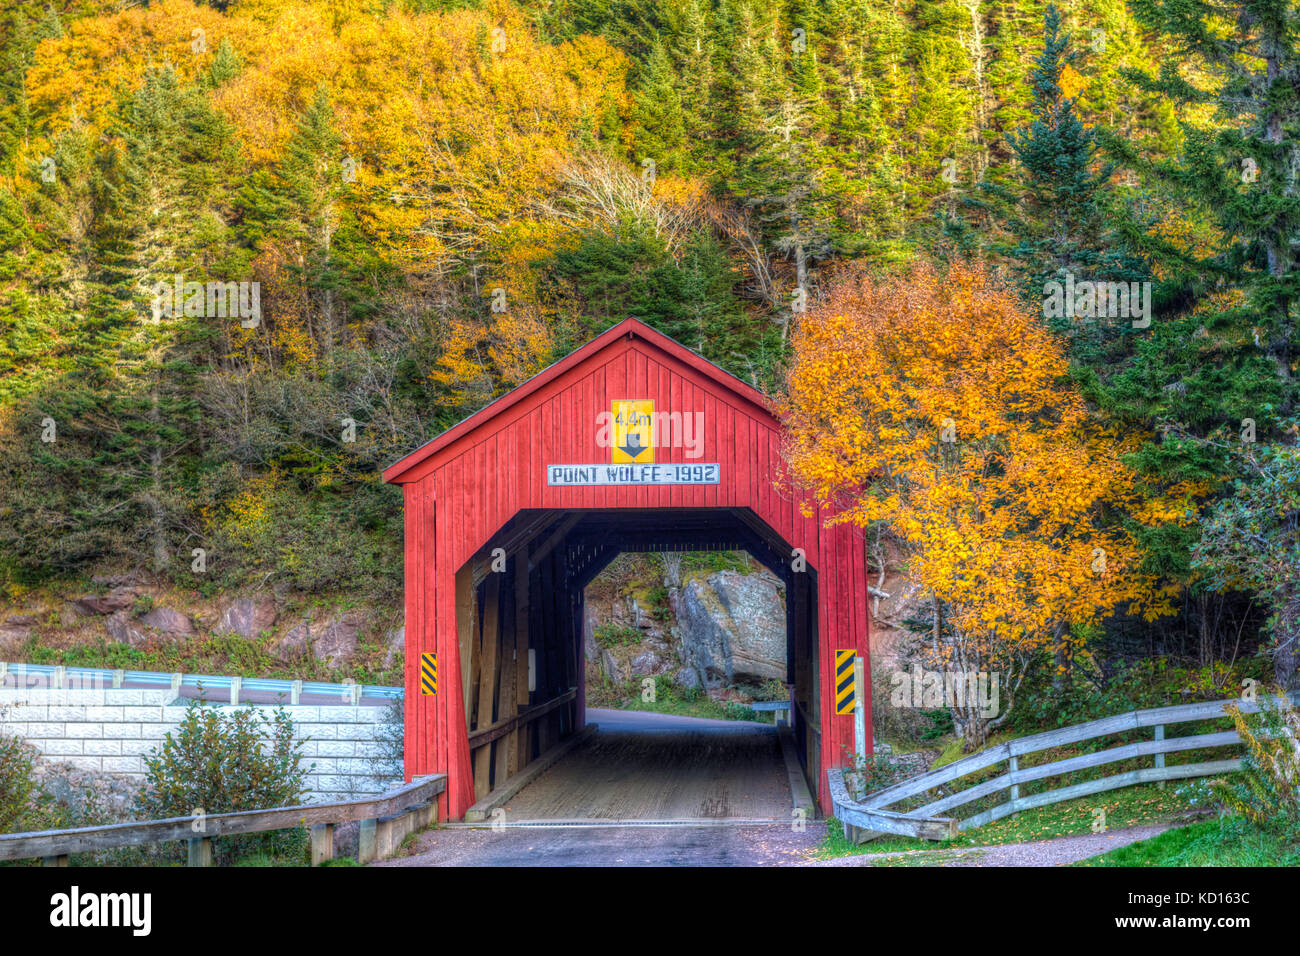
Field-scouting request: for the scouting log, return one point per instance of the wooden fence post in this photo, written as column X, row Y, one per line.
column 368, row 841
column 200, row 851
column 1160, row 758
column 322, row 843
column 1013, row 765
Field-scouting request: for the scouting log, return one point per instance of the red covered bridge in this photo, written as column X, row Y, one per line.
column 631, row 443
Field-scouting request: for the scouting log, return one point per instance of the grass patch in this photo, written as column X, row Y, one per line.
column 1129, row 807
column 223, row 654
column 669, row 699
column 1231, row 841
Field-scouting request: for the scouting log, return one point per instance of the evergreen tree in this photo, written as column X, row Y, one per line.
column 126, row 410
column 1053, row 214
column 660, row 125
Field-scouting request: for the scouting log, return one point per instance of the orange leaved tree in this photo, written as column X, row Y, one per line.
column 937, row 403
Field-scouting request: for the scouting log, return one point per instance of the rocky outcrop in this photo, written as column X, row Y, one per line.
column 337, row 640
column 121, row 628
column 731, row 628
column 169, row 621
column 333, row 640
column 247, row 617
column 394, row 644
column 12, row 638
column 102, row 793
column 118, row 599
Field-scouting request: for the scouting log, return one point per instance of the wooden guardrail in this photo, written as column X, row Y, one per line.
column 868, row 817
column 384, row 820
column 525, row 716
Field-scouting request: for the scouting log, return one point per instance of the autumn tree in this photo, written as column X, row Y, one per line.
column 938, row 404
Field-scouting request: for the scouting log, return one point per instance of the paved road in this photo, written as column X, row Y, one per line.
column 641, row 766
column 727, row 845
column 704, row 775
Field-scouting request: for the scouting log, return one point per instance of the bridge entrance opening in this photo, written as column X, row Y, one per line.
column 537, row 751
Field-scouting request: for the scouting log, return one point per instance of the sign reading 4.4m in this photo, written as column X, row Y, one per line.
column 633, row 432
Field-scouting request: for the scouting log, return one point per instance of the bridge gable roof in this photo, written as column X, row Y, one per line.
column 630, row 333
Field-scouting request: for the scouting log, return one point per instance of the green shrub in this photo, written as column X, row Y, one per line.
column 735, row 710
column 612, row 635
column 1267, row 790
column 223, row 762
column 17, row 785
column 873, row 772
column 1085, row 695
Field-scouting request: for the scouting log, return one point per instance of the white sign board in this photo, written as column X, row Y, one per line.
column 660, row 474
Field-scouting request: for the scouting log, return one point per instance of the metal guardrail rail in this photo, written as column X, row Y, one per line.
column 384, row 820
column 54, row 676
column 862, row 819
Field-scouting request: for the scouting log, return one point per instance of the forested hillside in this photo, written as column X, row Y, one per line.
column 437, row 199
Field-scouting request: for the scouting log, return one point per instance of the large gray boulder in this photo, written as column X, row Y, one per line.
column 336, row 642
column 732, row 628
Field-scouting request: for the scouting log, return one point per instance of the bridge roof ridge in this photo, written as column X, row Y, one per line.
column 628, row 328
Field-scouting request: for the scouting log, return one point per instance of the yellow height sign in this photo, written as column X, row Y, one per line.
column 428, row 675
column 634, row 431
column 844, row 698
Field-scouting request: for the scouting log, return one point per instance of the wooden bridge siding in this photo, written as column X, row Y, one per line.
column 463, row 496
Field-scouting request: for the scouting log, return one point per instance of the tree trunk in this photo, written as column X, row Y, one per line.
column 1286, row 656
column 157, row 524
column 1060, row 661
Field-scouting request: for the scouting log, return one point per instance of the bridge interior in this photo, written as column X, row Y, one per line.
column 520, row 613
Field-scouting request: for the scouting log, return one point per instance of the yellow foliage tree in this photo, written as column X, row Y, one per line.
column 938, row 404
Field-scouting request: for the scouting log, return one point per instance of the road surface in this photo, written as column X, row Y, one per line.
column 645, row 789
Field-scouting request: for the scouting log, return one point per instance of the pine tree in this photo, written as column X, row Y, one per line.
column 659, row 121
column 127, row 409
column 1053, row 212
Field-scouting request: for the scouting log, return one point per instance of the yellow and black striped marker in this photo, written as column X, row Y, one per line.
column 428, row 674
column 844, row 700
